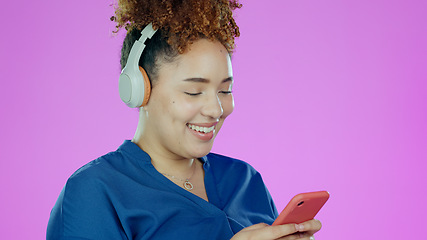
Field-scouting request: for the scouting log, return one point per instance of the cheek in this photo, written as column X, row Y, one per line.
column 184, row 110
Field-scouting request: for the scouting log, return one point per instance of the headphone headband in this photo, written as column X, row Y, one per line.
column 139, row 45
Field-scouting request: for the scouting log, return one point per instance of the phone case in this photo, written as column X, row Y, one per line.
column 302, row 207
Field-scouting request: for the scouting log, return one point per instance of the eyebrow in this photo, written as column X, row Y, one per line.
column 204, row 80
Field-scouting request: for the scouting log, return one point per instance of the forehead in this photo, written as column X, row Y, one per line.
column 203, row 59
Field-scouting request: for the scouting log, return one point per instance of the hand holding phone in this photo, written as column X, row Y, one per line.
column 302, row 207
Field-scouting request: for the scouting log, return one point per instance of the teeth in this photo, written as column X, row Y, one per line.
column 201, row 129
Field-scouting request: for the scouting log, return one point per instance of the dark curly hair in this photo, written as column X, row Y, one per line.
column 179, row 23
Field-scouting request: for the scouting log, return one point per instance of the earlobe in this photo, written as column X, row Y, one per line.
column 147, row 86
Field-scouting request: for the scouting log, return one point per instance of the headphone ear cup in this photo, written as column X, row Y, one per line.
column 134, row 86
column 147, row 86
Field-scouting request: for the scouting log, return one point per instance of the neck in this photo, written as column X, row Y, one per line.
column 161, row 160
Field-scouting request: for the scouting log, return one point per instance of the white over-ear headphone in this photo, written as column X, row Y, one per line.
column 134, row 85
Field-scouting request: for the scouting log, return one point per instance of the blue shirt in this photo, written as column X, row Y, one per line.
column 122, row 196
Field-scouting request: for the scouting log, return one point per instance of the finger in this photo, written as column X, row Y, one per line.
column 275, row 232
column 305, row 236
column 256, row 226
column 295, row 236
column 310, row 226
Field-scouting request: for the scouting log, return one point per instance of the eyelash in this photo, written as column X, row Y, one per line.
column 195, row 94
column 192, row 94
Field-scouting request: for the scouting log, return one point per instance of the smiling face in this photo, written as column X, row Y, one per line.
column 189, row 102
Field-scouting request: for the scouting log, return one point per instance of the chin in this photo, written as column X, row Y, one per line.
column 201, row 150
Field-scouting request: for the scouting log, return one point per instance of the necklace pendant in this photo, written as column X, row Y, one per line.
column 188, row 185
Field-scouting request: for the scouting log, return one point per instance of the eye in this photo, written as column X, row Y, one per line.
column 193, row 94
column 225, row 92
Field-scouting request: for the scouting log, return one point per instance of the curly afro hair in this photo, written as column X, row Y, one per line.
column 182, row 21
column 179, row 23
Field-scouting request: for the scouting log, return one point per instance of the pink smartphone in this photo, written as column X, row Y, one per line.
column 302, row 207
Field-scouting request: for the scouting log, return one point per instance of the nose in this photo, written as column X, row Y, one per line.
column 213, row 107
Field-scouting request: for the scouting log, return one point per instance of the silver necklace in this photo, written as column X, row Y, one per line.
column 187, row 184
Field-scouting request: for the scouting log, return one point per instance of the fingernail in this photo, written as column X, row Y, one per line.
column 300, row 227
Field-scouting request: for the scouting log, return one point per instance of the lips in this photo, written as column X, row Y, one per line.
column 203, row 131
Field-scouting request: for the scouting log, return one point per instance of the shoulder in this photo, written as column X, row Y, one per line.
column 99, row 166
column 85, row 207
column 91, row 179
column 118, row 163
column 98, row 180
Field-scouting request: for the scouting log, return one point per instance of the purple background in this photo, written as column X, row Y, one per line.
column 329, row 95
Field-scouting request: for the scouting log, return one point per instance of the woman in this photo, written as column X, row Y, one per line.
column 164, row 183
